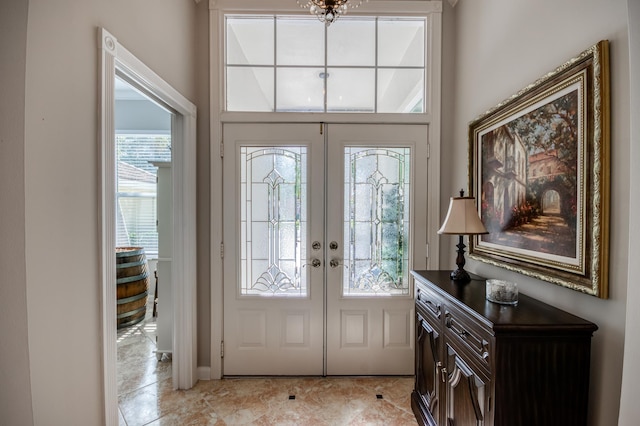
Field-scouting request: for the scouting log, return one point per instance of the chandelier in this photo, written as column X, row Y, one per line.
column 328, row 11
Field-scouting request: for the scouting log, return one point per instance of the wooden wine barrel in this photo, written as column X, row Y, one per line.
column 132, row 279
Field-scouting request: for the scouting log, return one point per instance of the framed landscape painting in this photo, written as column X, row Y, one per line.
column 539, row 168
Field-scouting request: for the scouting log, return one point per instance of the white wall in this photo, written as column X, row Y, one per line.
column 629, row 407
column 61, row 182
column 15, row 392
column 500, row 47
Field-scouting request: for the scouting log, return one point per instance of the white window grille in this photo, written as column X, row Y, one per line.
column 358, row 65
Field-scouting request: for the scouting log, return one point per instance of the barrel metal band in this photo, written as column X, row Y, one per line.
column 132, row 298
column 130, row 264
column 127, row 253
column 132, row 279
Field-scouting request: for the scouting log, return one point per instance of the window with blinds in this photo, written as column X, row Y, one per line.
column 136, row 189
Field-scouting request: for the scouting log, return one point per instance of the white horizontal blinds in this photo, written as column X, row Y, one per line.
column 138, row 213
column 295, row 64
column 137, row 189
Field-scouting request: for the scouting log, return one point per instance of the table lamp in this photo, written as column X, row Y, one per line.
column 462, row 219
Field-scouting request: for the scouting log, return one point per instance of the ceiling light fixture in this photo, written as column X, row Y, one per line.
column 328, row 11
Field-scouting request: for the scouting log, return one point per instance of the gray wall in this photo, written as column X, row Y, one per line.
column 15, row 392
column 500, row 47
column 48, row 157
column 61, row 183
column 629, row 407
column 204, row 187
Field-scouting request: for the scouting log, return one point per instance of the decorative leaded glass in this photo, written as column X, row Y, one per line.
column 376, row 221
column 273, row 220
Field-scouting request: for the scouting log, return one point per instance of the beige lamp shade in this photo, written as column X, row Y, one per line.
column 462, row 218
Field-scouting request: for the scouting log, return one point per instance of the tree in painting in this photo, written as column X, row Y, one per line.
column 522, row 205
column 552, row 128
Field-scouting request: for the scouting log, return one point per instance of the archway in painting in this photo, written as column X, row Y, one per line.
column 550, row 202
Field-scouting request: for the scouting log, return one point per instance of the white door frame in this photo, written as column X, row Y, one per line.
column 114, row 56
column 218, row 116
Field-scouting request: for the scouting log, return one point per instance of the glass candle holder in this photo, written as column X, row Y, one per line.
column 503, row 292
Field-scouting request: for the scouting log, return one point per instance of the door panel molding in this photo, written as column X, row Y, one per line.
column 354, row 329
column 397, row 328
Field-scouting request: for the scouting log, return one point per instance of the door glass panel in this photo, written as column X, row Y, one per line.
column 273, row 221
column 376, row 221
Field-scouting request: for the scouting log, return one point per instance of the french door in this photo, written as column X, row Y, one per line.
column 322, row 225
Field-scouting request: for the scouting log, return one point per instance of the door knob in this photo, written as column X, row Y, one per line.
column 334, row 263
column 314, row 262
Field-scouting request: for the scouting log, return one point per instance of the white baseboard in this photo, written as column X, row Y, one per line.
column 204, row 373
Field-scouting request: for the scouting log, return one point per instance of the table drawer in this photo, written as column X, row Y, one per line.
column 430, row 303
column 466, row 334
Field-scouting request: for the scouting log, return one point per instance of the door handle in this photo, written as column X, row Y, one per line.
column 334, row 263
column 439, row 371
column 314, row 262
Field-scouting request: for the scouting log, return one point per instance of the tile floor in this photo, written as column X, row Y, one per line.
column 146, row 396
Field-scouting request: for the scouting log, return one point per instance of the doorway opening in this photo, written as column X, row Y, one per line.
column 143, row 240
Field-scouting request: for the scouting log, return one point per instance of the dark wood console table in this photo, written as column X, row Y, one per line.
column 482, row 363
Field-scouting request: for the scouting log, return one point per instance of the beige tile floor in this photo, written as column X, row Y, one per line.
column 146, row 396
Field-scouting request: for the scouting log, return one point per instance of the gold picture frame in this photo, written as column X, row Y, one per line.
column 539, row 164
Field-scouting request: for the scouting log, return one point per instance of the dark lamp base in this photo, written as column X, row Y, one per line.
column 460, row 275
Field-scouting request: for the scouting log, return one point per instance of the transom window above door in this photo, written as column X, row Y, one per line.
column 295, row 64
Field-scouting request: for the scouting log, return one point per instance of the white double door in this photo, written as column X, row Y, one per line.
column 322, row 224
